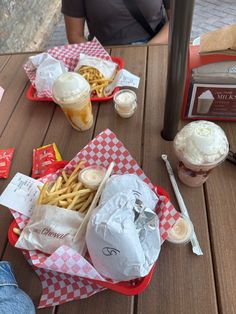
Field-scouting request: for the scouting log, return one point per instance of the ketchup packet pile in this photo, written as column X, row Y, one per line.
column 5, row 161
column 42, row 158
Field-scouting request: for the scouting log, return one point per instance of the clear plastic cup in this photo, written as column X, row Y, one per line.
column 200, row 146
column 125, row 102
column 72, row 93
column 182, row 231
column 92, row 176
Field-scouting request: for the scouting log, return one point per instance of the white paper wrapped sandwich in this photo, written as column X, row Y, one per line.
column 122, row 236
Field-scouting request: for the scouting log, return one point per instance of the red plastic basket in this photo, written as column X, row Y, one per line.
column 129, row 288
column 31, row 92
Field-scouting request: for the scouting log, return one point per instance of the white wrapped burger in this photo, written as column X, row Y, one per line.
column 122, row 235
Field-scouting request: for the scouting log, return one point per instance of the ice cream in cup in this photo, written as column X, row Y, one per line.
column 125, row 102
column 72, row 93
column 200, row 146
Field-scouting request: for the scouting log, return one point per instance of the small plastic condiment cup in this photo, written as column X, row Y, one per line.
column 94, row 181
column 182, row 231
column 125, row 102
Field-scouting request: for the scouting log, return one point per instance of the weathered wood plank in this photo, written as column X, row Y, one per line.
column 13, row 79
column 3, row 61
column 221, row 205
column 181, row 279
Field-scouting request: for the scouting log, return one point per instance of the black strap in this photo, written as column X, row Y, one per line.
column 134, row 10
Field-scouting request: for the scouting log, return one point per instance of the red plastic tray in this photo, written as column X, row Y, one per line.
column 31, row 92
column 131, row 287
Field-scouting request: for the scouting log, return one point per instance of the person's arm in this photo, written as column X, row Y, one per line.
column 162, row 36
column 75, row 29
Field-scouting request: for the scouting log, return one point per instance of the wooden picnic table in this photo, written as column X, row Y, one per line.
column 182, row 282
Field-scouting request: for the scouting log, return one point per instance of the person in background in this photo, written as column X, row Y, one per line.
column 12, row 299
column 113, row 23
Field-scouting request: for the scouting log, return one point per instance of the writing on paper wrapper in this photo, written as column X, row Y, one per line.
column 21, row 194
column 122, row 78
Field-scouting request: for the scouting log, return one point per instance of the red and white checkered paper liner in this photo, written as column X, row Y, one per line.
column 69, row 55
column 65, row 274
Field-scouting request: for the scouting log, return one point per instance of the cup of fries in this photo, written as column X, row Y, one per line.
column 72, row 93
column 96, row 79
column 98, row 72
column 67, row 192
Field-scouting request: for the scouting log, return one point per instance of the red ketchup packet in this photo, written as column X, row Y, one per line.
column 42, row 158
column 5, row 161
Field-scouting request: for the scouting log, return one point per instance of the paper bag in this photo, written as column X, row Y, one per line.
column 220, row 40
column 49, row 228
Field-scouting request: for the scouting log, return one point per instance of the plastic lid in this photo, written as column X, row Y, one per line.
column 92, row 176
column 182, row 231
column 124, row 97
column 69, row 85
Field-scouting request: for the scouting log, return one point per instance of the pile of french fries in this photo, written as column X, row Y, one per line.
column 95, row 78
column 67, row 192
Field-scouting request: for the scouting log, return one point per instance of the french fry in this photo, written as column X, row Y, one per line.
column 72, row 204
column 77, row 186
column 42, row 192
column 55, row 184
column 67, row 191
column 64, row 176
column 87, row 203
column 95, row 78
column 73, row 175
column 57, row 192
column 17, row 231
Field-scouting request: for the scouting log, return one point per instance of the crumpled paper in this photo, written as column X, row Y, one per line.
column 123, row 237
column 47, row 71
column 123, row 78
column 49, row 228
column 106, row 67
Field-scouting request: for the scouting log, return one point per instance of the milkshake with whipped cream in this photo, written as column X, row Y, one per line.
column 72, row 93
column 200, row 146
column 205, row 101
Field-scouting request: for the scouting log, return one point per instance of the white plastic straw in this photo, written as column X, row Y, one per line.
column 195, row 245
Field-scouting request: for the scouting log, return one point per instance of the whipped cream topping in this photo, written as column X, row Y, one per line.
column 201, row 142
column 206, row 95
column 69, row 86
